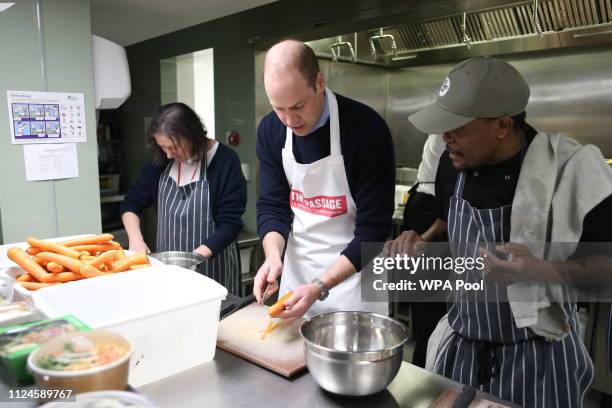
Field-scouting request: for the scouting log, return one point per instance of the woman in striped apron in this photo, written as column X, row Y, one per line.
column 199, row 191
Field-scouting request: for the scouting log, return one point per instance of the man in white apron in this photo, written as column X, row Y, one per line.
column 307, row 200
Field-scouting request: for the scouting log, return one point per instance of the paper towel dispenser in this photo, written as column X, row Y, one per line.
column 111, row 74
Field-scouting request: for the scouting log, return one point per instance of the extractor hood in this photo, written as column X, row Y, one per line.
column 517, row 27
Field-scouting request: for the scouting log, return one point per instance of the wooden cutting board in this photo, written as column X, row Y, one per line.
column 282, row 351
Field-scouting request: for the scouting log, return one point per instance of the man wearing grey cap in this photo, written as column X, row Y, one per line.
column 501, row 186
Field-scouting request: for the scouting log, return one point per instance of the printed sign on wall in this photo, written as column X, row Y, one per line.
column 46, row 117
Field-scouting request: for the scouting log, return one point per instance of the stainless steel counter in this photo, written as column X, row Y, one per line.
column 229, row 381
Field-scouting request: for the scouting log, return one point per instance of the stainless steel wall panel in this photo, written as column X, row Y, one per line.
column 411, row 89
column 362, row 83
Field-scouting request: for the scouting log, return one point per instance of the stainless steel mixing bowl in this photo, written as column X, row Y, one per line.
column 189, row 260
column 353, row 353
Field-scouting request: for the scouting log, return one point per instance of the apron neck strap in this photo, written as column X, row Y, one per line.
column 334, row 126
column 460, row 184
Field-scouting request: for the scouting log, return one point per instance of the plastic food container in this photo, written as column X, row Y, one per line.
column 169, row 314
column 6, row 289
column 18, row 313
column 82, row 362
column 18, row 341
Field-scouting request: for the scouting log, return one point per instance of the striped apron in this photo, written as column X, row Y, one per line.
column 185, row 220
column 486, row 350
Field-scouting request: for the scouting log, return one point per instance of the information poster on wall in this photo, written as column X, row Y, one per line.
column 46, row 117
column 50, row 161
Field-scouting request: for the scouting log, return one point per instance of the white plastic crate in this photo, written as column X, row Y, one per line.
column 170, row 315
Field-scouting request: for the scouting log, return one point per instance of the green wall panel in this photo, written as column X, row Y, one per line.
column 47, row 208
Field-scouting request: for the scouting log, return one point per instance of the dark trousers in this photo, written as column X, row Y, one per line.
column 419, row 214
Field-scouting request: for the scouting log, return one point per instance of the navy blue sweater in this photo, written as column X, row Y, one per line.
column 369, row 162
column 228, row 196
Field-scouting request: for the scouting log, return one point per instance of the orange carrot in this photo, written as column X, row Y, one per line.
column 71, row 264
column 55, row 267
column 93, row 248
column 279, row 306
column 120, row 254
column 63, row 277
column 26, row 277
column 103, row 258
column 89, row 240
column 90, row 271
column 124, row 264
column 24, row 260
column 32, row 250
column 53, row 247
column 140, row 266
column 36, row 285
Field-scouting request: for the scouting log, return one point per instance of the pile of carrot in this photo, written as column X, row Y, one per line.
column 48, row 263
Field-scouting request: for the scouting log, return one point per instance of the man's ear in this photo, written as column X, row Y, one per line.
column 320, row 82
column 505, row 125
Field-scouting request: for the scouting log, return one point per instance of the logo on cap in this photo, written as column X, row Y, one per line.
column 445, row 87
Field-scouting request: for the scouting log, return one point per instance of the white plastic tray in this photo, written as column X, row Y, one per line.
column 170, row 315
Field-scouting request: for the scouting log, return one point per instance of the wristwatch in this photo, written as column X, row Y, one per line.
column 323, row 291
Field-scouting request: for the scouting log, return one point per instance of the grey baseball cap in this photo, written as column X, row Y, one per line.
column 477, row 88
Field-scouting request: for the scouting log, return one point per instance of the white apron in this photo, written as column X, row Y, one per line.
column 323, row 223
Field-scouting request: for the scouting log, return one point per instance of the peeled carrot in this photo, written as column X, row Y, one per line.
column 24, row 260
column 84, row 253
column 90, row 271
column 279, row 306
column 35, row 285
column 124, row 264
column 32, row 250
column 53, row 247
column 140, row 266
column 93, row 248
column 55, row 267
column 120, row 254
column 39, row 261
column 103, row 258
column 63, row 277
column 71, row 264
column 26, row 277
column 89, row 240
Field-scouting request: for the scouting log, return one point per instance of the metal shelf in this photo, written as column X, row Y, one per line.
column 111, row 198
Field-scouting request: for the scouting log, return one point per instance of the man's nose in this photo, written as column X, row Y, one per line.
column 292, row 119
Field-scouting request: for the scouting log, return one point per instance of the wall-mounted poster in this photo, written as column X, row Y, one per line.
column 46, row 117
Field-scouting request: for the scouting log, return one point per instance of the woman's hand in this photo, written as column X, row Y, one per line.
column 204, row 251
column 139, row 246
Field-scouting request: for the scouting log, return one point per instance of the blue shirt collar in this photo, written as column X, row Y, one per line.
column 324, row 115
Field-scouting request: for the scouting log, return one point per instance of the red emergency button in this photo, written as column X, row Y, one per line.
column 233, row 138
